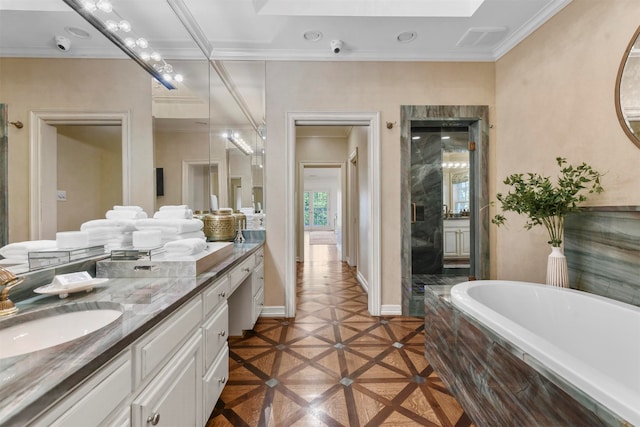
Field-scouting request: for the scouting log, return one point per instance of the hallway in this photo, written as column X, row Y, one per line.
column 334, row 364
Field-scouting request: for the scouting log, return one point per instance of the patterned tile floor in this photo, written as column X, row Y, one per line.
column 334, row 364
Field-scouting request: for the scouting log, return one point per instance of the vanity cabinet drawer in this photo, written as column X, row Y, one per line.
column 216, row 330
column 258, row 304
column 174, row 396
column 216, row 293
column 239, row 273
column 215, row 380
column 96, row 399
column 258, row 279
column 259, row 255
column 164, row 339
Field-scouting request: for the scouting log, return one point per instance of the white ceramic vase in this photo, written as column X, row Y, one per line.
column 557, row 272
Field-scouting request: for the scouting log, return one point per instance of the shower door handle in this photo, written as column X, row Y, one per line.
column 413, row 213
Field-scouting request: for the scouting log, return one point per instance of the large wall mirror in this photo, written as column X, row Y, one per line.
column 628, row 90
column 165, row 145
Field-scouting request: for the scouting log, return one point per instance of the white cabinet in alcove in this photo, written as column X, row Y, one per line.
column 456, row 239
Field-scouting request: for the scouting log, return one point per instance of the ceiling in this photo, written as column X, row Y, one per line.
column 231, row 30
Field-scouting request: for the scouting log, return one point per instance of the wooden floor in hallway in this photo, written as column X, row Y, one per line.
column 334, row 364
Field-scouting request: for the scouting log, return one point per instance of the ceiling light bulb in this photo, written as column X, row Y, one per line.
column 166, row 77
column 89, row 5
column 111, row 25
column 105, row 6
column 145, row 56
column 178, row 77
column 142, row 42
column 225, row 135
column 156, row 56
column 168, row 68
column 124, row 26
column 131, row 43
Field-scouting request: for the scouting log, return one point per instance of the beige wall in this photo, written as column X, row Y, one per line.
column 555, row 97
column 90, row 171
column 366, row 87
column 171, row 148
column 74, row 85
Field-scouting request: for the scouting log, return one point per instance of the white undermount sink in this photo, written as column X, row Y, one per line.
column 53, row 328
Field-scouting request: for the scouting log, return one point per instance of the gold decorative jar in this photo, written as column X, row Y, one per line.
column 220, row 225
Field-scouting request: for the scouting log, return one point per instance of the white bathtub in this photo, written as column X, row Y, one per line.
column 589, row 341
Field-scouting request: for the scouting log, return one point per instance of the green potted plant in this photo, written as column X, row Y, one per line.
column 546, row 203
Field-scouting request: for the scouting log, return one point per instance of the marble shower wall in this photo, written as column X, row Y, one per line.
column 426, row 193
column 602, row 246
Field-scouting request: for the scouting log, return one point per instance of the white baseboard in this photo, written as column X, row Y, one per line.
column 363, row 282
column 273, row 311
column 391, row 310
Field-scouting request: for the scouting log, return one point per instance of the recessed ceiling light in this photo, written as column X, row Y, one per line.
column 77, row 32
column 312, row 36
column 407, row 36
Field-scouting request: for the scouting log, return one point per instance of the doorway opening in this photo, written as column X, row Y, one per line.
column 322, row 211
column 75, row 137
column 444, row 189
column 200, row 181
column 370, row 257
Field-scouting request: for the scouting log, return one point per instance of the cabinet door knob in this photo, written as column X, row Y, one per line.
column 222, row 294
column 222, row 333
column 246, row 270
column 153, row 419
column 222, row 380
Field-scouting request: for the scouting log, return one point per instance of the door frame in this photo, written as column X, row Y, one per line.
column 476, row 118
column 41, row 118
column 352, row 210
column 371, row 119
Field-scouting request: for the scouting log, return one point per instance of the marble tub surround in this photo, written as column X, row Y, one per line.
column 31, row 383
column 496, row 382
column 602, row 246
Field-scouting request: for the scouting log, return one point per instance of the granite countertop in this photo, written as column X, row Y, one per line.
column 32, row 382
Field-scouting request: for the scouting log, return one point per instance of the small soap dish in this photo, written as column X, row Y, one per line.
column 65, row 284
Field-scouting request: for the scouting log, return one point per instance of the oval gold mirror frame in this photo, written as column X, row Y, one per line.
column 635, row 137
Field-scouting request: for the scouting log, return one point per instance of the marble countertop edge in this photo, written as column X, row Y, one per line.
column 32, row 383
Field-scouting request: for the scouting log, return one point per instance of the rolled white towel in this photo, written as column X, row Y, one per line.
column 174, row 213
column 145, row 239
column 170, row 226
column 125, row 214
column 127, row 208
column 116, row 224
column 185, row 247
column 169, row 237
column 72, row 239
column 20, row 250
column 173, row 207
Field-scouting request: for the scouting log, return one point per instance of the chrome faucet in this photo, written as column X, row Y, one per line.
column 9, row 281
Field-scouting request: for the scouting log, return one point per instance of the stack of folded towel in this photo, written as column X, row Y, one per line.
column 126, row 212
column 173, row 211
column 185, row 247
column 113, row 233
column 19, row 252
column 173, row 228
column 255, row 221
